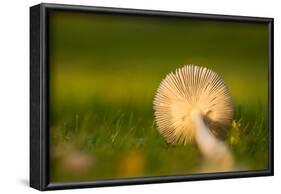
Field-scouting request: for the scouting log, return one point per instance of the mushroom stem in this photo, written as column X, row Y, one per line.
column 212, row 148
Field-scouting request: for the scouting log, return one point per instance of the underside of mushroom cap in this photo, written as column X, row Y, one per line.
column 187, row 89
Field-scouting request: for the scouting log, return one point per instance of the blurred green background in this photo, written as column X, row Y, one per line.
column 104, row 72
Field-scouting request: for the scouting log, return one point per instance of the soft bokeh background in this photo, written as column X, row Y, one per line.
column 104, row 72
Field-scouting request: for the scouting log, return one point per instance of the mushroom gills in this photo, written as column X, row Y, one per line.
column 194, row 103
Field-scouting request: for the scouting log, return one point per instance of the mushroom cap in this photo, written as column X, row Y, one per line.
column 187, row 89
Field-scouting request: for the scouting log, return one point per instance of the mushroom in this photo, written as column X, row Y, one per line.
column 194, row 104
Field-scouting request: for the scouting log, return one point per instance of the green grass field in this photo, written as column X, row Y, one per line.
column 105, row 71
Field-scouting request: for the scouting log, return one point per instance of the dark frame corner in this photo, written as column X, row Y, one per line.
column 39, row 134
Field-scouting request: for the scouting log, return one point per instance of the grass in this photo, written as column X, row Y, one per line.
column 112, row 140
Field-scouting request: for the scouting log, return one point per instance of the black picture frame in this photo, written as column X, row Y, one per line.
column 39, row 98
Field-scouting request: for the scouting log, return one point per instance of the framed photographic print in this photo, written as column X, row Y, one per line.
column 124, row 96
